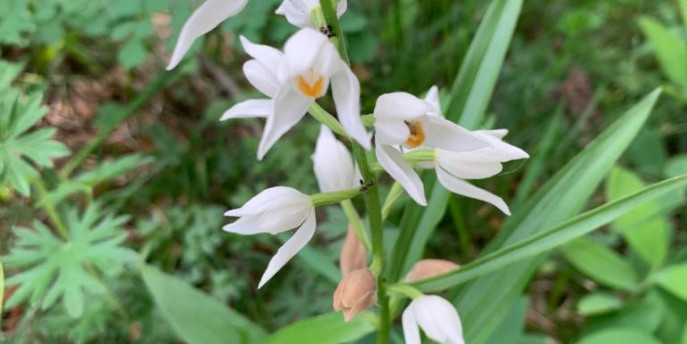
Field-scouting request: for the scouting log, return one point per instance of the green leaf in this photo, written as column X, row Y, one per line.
column 597, row 303
column 619, row 335
column 54, row 268
column 512, row 328
column 670, row 50
column 683, row 6
column 470, row 96
column 684, row 332
column 674, row 280
column 196, row 317
column 550, row 238
column 645, row 229
column 600, row 264
column 17, row 146
column 480, row 303
column 323, row 329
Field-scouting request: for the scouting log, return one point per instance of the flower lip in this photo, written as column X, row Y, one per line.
column 417, row 134
column 311, row 84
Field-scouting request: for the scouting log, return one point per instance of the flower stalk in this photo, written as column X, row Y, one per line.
column 372, row 199
column 329, row 198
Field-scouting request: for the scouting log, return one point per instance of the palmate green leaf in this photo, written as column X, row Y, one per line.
column 195, row 317
column 670, row 49
column 18, row 147
column 470, row 96
column 600, row 263
column 674, row 280
column 323, row 329
column 645, row 229
column 54, row 269
column 480, row 303
column 597, row 303
column 619, row 335
column 550, row 238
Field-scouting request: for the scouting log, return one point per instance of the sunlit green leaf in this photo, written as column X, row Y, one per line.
column 196, row 317
column 324, row 329
column 598, row 302
column 674, row 280
column 600, row 263
column 619, row 335
column 670, row 50
column 645, row 229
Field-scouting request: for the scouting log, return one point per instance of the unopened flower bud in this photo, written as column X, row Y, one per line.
column 427, row 268
column 356, row 292
column 353, row 255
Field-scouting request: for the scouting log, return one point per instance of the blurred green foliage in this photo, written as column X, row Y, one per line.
column 181, row 168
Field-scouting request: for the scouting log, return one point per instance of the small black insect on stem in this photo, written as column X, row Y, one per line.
column 364, row 187
column 327, row 30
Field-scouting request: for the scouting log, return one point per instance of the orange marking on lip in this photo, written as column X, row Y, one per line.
column 417, row 134
column 311, row 89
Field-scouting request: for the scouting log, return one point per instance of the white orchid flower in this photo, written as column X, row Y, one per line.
column 437, row 318
column 333, row 163
column 402, row 119
column 205, row 18
column 453, row 167
column 261, row 72
column 274, row 211
column 294, row 80
column 299, row 12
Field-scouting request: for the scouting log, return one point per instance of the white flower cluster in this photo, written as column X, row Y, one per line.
column 404, row 126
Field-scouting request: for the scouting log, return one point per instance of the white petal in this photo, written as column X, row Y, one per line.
column 289, row 108
column 346, row 92
column 411, row 331
column 261, row 78
column 333, row 164
column 497, row 133
column 444, row 134
column 341, row 8
column 284, row 218
column 392, row 161
column 247, row 225
column 249, row 109
column 432, row 97
column 462, row 165
column 210, row 14
column 400, row 106
column 297, row 12
column 502, row 150
column 270, row 199
column 391, row 132
column 266, row 55
column 464, row 188
column 302, row 50
column 439, row 319
column 290, row 248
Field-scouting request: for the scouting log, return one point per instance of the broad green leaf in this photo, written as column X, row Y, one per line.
column 480, row 303
column 600, row 263
column 550, row 238
column 619, row 335
column 323, row 329
column 196, row 317
column 684, row 333
column 597, row 303
column 645, row 314
column 683, row 7
column 470, row 96
column 670, row 49
column 645, row 229
column 512, row 328
column 674, row 280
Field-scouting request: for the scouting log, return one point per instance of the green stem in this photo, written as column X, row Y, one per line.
column 118, row 118
column 49, row 208
column 327, row 198
column 372, row 201
column 356, row 222
column 395, row 192
column 324, row 117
